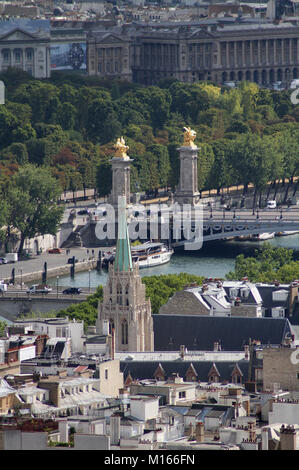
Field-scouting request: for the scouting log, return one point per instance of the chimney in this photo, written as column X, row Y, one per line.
column 287, row 438
column 115, row 429
column 105, row 327
column 265, row 439
column 216, row 346
column 64, row 431
column 293, row 295
column 200, row 432
column 182, row 351
column 246, row 350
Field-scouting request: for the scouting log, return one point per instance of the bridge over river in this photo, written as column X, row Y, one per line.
column 213, row 225
column 221, row 225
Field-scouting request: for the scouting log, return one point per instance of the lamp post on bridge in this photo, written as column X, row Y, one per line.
column 57, row 281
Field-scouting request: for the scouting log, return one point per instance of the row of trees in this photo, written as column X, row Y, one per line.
column 69, row 124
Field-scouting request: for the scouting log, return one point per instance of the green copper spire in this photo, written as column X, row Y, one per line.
column 123, row 257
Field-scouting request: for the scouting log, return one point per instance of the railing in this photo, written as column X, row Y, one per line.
column 10, row 295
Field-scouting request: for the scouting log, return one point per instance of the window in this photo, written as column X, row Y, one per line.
column 106, row 374
column 182, row 394
column 124, row 332
column 6, row 56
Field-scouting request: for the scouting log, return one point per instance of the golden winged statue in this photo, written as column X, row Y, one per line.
column 189, row 137
column 121, row 148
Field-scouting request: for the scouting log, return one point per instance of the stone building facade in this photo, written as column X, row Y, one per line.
column 26, row 51
column 108, row 55
column 281, row 366
column 263, row 53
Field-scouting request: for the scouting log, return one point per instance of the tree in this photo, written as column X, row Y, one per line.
column 32, row 203
column 268, row 264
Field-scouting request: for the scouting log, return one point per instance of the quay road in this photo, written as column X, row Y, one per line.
column 29, row 270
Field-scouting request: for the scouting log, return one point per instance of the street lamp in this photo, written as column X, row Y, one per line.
column 89, row 280
column 21, row 270
column 57, row 280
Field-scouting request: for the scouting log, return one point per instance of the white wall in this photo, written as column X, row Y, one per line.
column 287, row 413
column 27, row 352
column 144, row 409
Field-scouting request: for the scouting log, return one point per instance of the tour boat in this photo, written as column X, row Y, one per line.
column 151, row 254
column 263, row 236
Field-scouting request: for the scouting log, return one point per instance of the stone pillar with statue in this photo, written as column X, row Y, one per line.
column 187, row 189
column 120, row 173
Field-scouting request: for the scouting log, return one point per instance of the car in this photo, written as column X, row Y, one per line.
column 3, row 260
column 83, row 212
column 72, row 290
column 70, row 261
column 39, row 289
column 271, row 204
column 55, row 250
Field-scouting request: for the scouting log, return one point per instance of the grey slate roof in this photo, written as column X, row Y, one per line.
column 200, row 332
column 141, row 370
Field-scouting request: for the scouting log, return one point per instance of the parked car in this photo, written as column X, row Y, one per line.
column 3, row 261
column 72, row 290
column 70, row 260
column 11, row 257
column 39, row 289
column 271, row 204
column 55, row 250
column 83, row 212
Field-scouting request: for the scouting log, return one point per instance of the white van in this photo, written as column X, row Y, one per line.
column 271, row 205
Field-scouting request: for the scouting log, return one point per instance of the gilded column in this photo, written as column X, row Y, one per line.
column 282, row 52
column 267, row 52
column 187, row 189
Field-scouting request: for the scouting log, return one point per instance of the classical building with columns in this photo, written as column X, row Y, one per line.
column 26, row 51
column 210, row 49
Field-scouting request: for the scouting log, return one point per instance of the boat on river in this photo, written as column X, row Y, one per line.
column 151, row 254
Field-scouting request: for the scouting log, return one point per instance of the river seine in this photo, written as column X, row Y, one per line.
column 215, row 259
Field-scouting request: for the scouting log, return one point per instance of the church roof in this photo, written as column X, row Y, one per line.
column 123, row 256
column 142, row 370
column 200, row 333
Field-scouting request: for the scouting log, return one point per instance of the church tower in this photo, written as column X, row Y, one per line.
column 124, row 303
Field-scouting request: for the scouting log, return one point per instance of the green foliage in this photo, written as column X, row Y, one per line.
column 267, row 265
column 43, row 119
column 86, row 311
column 3, row 325
column 31, row 200
column 160, row 288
